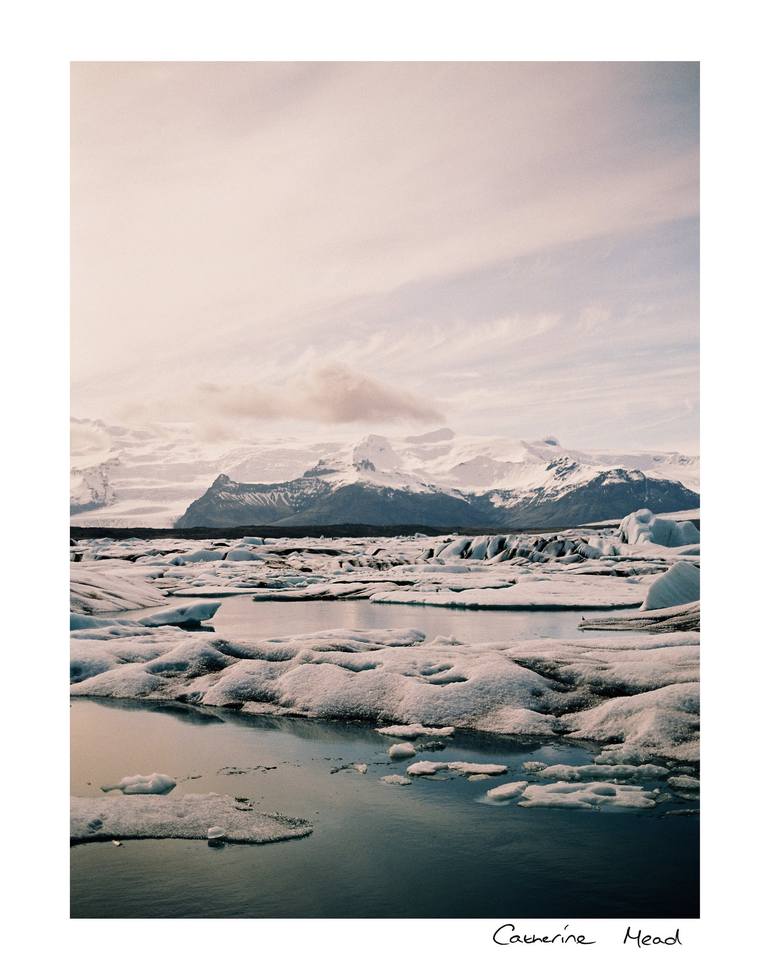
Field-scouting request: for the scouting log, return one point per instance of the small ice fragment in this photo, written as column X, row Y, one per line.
column 216, row 833
column 425, row 768
column 360, row 767
column 402, row 750
column 156, row 782
column 689, row 783
column 412, row 731
column 395, row 779
column 478, row 768
column 533, row 765
column 478, row 777
column 118, row 843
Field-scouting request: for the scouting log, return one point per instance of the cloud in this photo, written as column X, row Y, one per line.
column 331, row 394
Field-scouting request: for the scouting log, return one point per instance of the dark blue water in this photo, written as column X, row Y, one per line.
column 430, row 849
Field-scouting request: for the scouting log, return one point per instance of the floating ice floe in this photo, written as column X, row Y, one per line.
column 197, row 612
column 395, row 779
column 188, row 817
column 156, row 782
column 534, row 765
column 507, row 791
column 402, row 750
column 688, row 783
column 429, row 768
column 588, row 773
column 413, row 731
column 676, row 587
column 588, row 796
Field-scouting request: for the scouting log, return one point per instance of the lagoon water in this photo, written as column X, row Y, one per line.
column 240, row 617
column 430, row 849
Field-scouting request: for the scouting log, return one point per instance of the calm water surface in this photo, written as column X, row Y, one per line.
column 240, row 616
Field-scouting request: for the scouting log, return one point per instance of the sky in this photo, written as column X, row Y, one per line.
column 327, row 249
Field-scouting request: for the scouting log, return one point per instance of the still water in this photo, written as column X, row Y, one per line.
column 241, row 617
column 431, row 849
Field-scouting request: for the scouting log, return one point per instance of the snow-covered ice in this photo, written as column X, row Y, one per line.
column 395, row 779
column 678, row 586
column 413, row 731
column 189, row 817
column 643, row 526
column 156, row 782
column 638, row 694
column 402, row 750
column 588, row 796
column 105, row 590
column 507, row 791
column 429, row 768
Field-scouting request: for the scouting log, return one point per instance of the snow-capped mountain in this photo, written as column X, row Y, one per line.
column 150, row 476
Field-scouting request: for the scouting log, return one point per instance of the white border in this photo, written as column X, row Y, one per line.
column 41, row 39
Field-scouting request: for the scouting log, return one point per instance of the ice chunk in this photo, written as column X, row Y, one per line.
column 196, row 612
column 100, row 590
column 674, row 619
column 243, row 554
column 201, row 554
column 156, row 782
column 688, row 783
column 478, row 768
column 189, row 817
column 587, row 796
column 402, row 750
column 533, row 765
column 507, row 791
column 429, row 768
column 676, row 587
column 658, row 723
column 588, row 773
column 412, row 731
column 395, row 779
column 643, row 527
column 425, row 768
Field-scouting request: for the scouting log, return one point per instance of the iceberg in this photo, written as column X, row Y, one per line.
column 676, row 587
column 644, row 527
